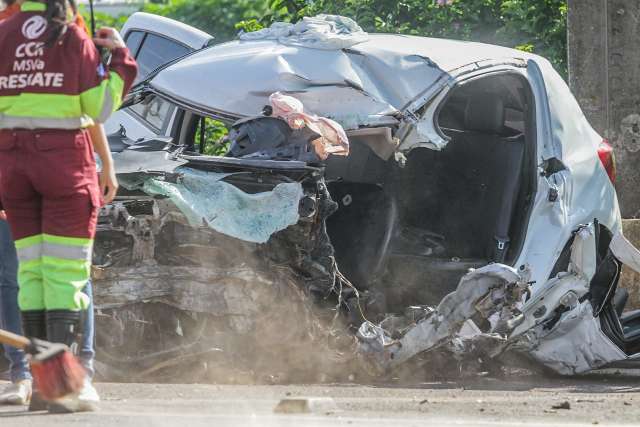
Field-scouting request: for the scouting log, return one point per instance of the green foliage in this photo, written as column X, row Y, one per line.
column 102, row 19
column 225, row 18
column 462, row 19
column 285, row 11
column 541, row 24
column 214, row 134
column 249, row 25
column 537, row 26
column 216, row 17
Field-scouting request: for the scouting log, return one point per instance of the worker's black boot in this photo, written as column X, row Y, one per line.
column 34, row 326
column 63, row 326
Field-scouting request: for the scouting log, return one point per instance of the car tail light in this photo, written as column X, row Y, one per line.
column 608, row 159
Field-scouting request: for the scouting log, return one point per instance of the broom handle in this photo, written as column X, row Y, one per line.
column 14, row 340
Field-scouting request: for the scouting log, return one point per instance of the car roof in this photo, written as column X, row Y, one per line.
column 361, row 84
column 448, row 54
column 187, row 35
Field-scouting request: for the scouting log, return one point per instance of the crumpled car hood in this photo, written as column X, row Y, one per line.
column 359, row 86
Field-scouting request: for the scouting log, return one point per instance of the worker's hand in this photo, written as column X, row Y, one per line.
column 3, row 215
column 108, row 183
column 108, row 38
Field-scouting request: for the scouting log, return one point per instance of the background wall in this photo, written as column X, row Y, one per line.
column 604, row 74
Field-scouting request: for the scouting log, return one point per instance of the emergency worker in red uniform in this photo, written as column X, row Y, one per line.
column 53, row 86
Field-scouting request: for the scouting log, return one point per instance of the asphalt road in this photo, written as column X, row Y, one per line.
column 610, row 401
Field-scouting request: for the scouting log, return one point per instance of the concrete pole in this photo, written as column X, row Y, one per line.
column 604, row 74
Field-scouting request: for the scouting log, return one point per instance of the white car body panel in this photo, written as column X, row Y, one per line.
column 585, row 191
column 168, row 28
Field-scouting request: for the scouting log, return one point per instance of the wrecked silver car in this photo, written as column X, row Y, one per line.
column 475, row 201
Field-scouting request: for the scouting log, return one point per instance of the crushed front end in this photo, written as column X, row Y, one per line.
column 212, row 269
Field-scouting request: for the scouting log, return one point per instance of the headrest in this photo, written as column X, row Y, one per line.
column 484, row 113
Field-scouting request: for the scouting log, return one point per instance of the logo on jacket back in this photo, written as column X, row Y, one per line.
column 29, row 67
column 34, row 27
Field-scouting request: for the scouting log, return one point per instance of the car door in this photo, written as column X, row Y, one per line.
column 154, row 41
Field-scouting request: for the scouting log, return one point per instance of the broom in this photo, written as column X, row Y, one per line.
column 55, row 370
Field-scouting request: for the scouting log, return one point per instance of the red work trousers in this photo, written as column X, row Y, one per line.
column 49, row 190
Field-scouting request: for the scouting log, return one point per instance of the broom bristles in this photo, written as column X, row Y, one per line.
column 58, row 376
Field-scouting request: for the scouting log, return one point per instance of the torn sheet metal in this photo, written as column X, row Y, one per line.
column 574, row 344
column 493, row 291
column 583, row 253
column 327, row 82
column 547, row 306
column 327, row 32
column 556, row 327
column 560, row 330
column 134, row 160
column 204, row 198
column 625, row 251
column 351, row 86
column 425, row 131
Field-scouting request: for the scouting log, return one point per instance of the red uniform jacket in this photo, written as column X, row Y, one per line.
column 62, row 86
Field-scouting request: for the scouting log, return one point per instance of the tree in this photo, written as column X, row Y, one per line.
column 537, row 26
column 217, row 17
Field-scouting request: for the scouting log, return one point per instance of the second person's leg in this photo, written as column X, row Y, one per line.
column 19, row 391
column 87, row 351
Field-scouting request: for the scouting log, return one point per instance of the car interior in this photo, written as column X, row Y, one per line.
column 416, row 229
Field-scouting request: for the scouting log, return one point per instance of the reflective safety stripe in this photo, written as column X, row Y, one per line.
column 12, row 122
column 99, row 102
column 29, row 248
column 32, row 6
column 70, row 241
column 30, row 253
column 53, row 271
column 46, row 105
column 68, row 248
column 64, row 280
column 107, row 107
column 29, row 241
column 31, row 295
column 42, row 111
column 61, row 111
column 56, row 250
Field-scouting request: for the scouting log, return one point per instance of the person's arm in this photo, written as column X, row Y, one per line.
column 102, row 87
column 108, row 180
column 102, row 90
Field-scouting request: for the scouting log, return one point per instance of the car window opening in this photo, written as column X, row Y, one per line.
column 204, row 135
column 155, row 113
